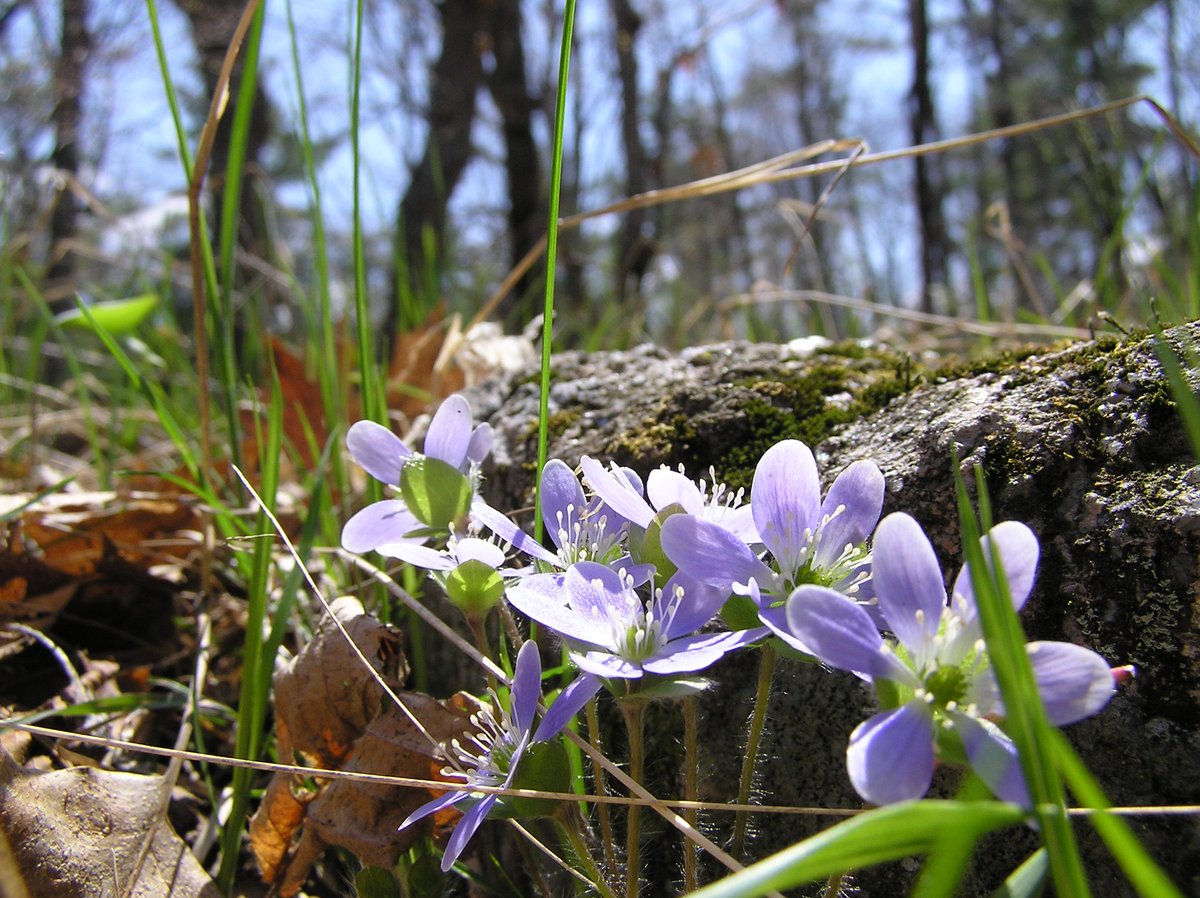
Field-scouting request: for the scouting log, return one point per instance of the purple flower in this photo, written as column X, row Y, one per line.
column 581, row 530
column 432, row 502
column 492, row 756
column 938, row 663
column 665, row 488
column 809, row 541
column 612, row 634
column 469, row 570
column 458, row 551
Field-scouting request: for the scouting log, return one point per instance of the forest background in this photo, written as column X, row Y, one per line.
column 457, row 101
column 359, row 195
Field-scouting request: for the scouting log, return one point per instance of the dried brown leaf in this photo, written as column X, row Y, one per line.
column 279, row 817
column 83, row 832
column 74, row 538
column 33, row 591
column 331, row 713
column 414, row 380
column 365, row 817
column 325, row 697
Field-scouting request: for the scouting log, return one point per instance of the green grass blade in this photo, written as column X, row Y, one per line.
column 1181, row 391
column 560, row 117
column 109, row 704
column 223, row 308
column 1029, row 879
column 373, row 395
column 884, row 834
column 1143, row 873
column 242, row 108
column 255, row 693
column 1026, row 721
column 160, row 50
column 322, row 337
column 947, row 862
column 309, row 533
column 100, row 459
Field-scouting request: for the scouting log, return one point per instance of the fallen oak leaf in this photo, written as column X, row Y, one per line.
column 273, row 827
column 364, row 817
column 82, row 832
column 331, row 714
column 34, row 592
column 414, row 382
column 305, row 425
column 75, row 537
column 325, row 697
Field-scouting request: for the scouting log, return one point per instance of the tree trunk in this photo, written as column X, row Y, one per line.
column 67, row 119
column 635, row 245
column 923, row 123
column 456, row 78
column 507, row 83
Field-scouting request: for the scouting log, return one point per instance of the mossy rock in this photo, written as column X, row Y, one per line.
column 1084, row 444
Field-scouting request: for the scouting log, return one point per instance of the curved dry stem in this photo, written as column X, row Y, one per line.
column 208, row 135
column 784, row 168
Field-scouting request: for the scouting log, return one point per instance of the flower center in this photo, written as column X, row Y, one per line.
column 486, row 757
column 845, row 573
column 947, row 685
column 585, row 537
column 641, row 638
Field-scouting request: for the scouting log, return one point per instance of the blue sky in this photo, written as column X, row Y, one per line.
column 140, row 157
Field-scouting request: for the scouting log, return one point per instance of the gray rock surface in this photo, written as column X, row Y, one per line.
column 1082, row 444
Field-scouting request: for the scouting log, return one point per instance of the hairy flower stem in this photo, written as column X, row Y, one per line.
column 833, row 886
column 635, row 720
column 606, row 832
column 479, row 630
column 515, row 639
column 691, row 772
column 478, row 625
column 570, row 835
column 766, row 671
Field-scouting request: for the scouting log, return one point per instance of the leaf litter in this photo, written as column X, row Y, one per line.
column 97, row 831
column 99, row 610
column 332, row 713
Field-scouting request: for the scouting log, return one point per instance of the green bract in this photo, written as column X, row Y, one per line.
column 437, row 494
column 544, row 767
column 474, row 587
column 117, row 316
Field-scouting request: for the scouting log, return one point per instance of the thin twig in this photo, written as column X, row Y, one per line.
column 1182, row 810
column 959, row 324
column 780, row 169
column 316, row 591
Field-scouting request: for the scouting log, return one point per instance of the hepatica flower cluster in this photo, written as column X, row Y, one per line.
column 646, row 586
column 938, row 663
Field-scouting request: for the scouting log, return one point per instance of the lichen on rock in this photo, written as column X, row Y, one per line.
column 1083, row 444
